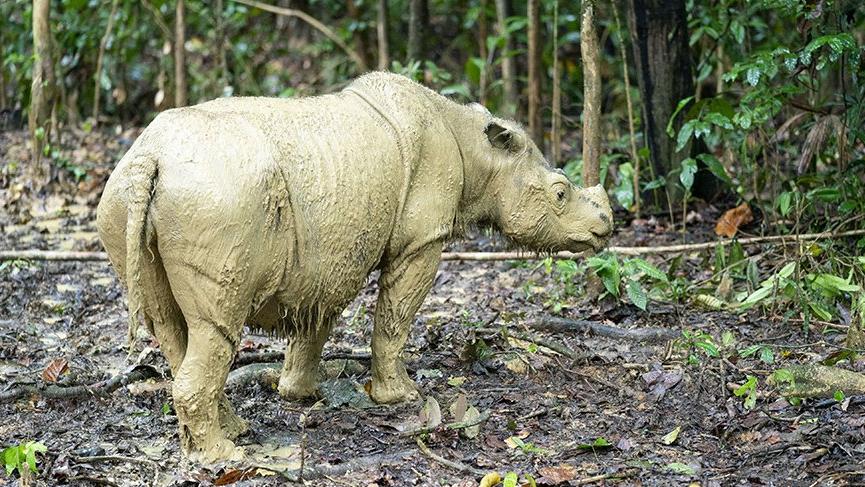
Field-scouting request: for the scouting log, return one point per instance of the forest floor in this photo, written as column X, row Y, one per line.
column 617, row 412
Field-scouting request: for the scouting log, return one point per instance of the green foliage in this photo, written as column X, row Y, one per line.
column 635, row 271
column 22, row 458
column 748, row 390
column 693, row 342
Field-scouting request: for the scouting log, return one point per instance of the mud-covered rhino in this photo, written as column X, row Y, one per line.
column 272, row 213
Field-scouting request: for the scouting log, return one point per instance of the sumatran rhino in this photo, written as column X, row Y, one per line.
column 272, row 213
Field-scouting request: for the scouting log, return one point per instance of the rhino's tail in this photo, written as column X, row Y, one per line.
column 143, row 172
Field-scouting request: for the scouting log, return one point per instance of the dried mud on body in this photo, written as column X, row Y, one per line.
column 619, row 411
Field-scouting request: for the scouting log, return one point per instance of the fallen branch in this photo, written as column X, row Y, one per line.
column 492, row 256
column 99, row 389
column 312, row 21
column 258, row 373
column 560, row 325
column 817, row 381
column 459, row 466
column 540, row 341
column 311, row 473
column 270, row 357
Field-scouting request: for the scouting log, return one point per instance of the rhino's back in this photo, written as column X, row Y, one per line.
column 309, row 189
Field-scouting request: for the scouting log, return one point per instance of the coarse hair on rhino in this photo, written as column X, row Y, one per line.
column 272, row 213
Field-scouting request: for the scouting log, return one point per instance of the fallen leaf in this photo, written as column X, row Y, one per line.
column 516, row 366
column 732, row 219
column 681, row 468
column 672, row 436
column 235, row 475
column 458, row 408
column 55, row 369
column 557, row 475
column 625, row 444
column 490, row 479
column 456, row 381
column 431, row 414
column 471, row 416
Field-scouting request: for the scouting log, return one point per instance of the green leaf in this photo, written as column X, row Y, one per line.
column 636, row 294
column 748, row 351
column 767, row 356
column 784, row 201
column 649, row 269
column 685, row 134
column 838, row 396
column 716, row 168
column 738, row 31
column 755, row 297
column 682, row 104
column 689, row 169
column 710, row 348
column 681, row 468
column 672, row 436
column 510, row 480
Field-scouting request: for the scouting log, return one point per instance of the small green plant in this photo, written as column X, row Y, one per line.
column 528, row 448
column 748, row 390
column 23, row 459
column 635, row 272
column 692, row 342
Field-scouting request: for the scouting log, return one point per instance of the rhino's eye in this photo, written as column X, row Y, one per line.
column 560, row 195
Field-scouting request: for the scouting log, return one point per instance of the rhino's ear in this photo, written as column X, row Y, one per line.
column 504, row 138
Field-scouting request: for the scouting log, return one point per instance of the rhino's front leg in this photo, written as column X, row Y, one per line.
column 404, row 283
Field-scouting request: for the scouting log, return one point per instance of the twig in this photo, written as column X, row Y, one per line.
column 312, row 21
column 114, row 458
column 459, row 466
column 454, row 426
column 319, row 471
column 99, row 389
column 270, row 357
column 530, row 337
column 559, row 325
column 494, row 256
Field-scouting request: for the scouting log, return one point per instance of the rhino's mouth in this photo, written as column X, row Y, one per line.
column 592, row 241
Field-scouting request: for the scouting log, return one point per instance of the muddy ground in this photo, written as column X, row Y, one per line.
column 619, row 411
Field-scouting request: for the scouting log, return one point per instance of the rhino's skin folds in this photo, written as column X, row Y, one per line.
column 273, row 212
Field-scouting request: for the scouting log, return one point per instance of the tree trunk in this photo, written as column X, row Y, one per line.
column 509, row 78
column 534, row 48
column 220, row 48
column 100, row 57
column 180, row 99
column 417, row 18
column 360, row 40
column 41, row 92
column 381, row 30
column 482, row 50
column 659, row 33
column 556, row 125
column 591, row 95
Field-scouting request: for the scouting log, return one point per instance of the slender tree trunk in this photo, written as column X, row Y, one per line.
column 635, row 156
column 220, row 47
column 180, row 95
column 360, row 40
column 382, row 32
column 659, row 34
column 2, row 88
column 509, row 78
column 556, row 132
column 97, row 76
column 41, row 92
column 417, row 30
column 591, row 94
column 482, row 48
column 534, row 47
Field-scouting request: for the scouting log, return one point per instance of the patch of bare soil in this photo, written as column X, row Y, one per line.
column 598, row 411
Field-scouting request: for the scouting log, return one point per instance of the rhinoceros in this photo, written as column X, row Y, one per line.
column 272, row 213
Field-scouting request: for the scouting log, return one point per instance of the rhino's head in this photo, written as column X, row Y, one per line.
column 534, row 204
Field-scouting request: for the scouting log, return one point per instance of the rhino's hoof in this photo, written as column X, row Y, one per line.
column 393, row 391
column 219, row 451
column 290, row 388
column 232, row 425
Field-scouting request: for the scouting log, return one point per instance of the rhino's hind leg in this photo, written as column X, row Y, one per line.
column 198, row 393
column 299, row 377
column 404, row 283
column 169, row 327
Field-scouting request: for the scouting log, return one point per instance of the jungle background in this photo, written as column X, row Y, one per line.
column 716, row 342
